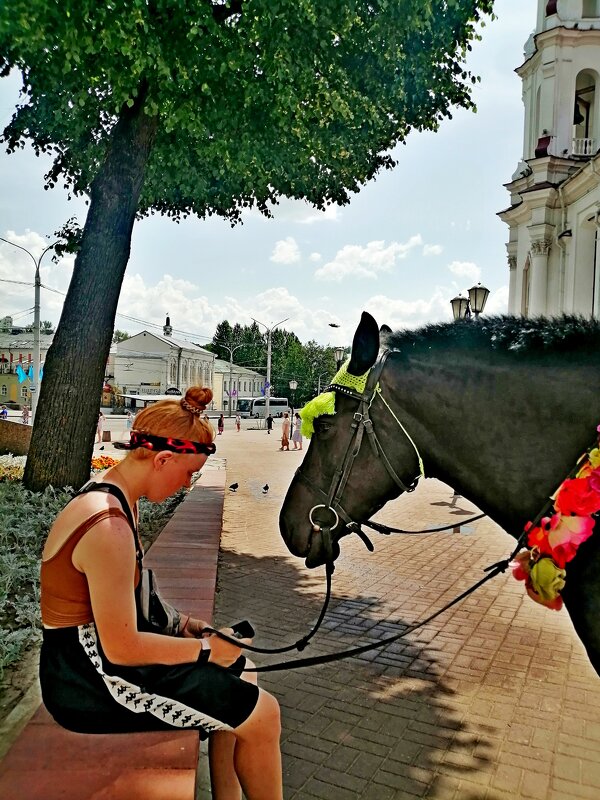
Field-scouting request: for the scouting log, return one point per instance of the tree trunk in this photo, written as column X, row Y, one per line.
column 62, row 440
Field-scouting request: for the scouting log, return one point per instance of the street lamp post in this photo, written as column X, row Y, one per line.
column 34, row 389
column 473, row 305
column 340, row 352
column 268, row 381
column 231, row 352
column 293, row 387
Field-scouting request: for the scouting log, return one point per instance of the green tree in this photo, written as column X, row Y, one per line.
column 119, row 336
column 207, row 108
column 46, row 327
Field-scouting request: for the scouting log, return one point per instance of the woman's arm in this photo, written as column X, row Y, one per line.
column 106, row 554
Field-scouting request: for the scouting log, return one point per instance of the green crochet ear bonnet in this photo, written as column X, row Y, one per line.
column 324, row 403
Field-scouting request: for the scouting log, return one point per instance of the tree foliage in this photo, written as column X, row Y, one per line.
column 119, row 336
column 309, row 364
column 192, row 106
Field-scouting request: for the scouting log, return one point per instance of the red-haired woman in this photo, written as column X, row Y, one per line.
column 100, row 670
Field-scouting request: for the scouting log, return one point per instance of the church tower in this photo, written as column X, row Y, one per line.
column 554, row 211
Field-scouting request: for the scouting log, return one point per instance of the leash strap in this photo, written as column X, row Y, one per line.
column 493, row 570
column 300, row 644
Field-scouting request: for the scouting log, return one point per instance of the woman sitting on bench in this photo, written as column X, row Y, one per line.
column 104, row 668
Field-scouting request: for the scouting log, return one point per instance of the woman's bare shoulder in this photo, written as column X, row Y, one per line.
column 75, row 514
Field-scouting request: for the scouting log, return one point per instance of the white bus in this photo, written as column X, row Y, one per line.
column 255, row 406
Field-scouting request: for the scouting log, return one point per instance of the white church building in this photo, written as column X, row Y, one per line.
column 554, row 211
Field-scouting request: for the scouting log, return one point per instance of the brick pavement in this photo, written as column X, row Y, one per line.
column 494, row 700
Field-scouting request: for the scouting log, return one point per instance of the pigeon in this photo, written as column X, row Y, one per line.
column 265, row 488
column 233, row 487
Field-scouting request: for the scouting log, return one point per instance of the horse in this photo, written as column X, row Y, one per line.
column 498, row 408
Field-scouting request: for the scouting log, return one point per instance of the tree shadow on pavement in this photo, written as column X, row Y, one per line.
column 383, row 725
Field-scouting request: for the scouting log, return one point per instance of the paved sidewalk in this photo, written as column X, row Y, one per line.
column 494, row 700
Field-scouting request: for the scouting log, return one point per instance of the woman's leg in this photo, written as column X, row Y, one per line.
column 257, row 755
column 224, row 782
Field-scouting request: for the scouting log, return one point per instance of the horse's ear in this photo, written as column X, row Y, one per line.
column 365, row 345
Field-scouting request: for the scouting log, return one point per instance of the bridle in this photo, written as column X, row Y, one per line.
column 361, row 424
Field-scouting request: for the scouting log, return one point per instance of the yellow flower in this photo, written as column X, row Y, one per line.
column 547, row 579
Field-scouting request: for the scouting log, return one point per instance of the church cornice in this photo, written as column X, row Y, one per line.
column 557, row 37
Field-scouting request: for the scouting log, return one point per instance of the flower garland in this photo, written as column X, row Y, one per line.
column 554, row 542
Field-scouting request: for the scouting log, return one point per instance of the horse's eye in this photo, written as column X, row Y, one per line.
column 322, row 427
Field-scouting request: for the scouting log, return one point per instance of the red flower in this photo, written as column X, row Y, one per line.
column 577, row 498
column 566, row 534
column 594, row 480
column 538, row 536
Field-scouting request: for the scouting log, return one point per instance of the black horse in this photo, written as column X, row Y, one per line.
column 500, row 409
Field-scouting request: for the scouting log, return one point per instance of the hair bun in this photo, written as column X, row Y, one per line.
column 196, row 399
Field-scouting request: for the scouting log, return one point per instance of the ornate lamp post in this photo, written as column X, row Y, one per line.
column 340, row 352
column 473, row 305
column 293, row 387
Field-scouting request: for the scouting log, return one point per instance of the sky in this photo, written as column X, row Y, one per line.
column 406, row 244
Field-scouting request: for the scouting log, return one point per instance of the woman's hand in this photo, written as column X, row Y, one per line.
column 193, row 627
column 223, row 653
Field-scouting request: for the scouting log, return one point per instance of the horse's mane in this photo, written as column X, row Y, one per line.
column 511, row 335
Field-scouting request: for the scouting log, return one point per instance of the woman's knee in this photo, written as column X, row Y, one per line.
column 265, row 720
column 251, row 677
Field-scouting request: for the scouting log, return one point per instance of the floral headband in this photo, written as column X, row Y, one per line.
column 158, row 443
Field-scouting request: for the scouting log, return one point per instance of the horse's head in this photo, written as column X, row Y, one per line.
column 347, row 474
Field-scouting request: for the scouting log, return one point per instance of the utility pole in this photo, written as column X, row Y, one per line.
column 231, row 350
column 35, row 385
column 269, row 334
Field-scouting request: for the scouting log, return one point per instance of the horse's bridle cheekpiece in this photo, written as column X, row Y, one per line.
column 361, row 424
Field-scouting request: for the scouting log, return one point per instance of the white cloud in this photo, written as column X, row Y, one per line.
column 330, row 214
column 432, row 249
column 286, row 251
column 297, row 211
column 366, row 262
column 314, row 257
column 399, row 313
column 497, row 302
column 465, row 269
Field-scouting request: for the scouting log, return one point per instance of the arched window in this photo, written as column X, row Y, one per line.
column 584, row 113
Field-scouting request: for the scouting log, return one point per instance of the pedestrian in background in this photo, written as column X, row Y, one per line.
column 25, row 415
column 128, row 420
column 285, row 433
column 297, row 435
column 269, row 422
column 4, row 412
column 238, row 422
column 221, row 424
column 100, row 426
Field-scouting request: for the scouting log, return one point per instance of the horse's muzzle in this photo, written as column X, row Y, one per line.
column 317, row 554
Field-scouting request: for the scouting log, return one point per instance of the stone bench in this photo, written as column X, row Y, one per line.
column 47, row 762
